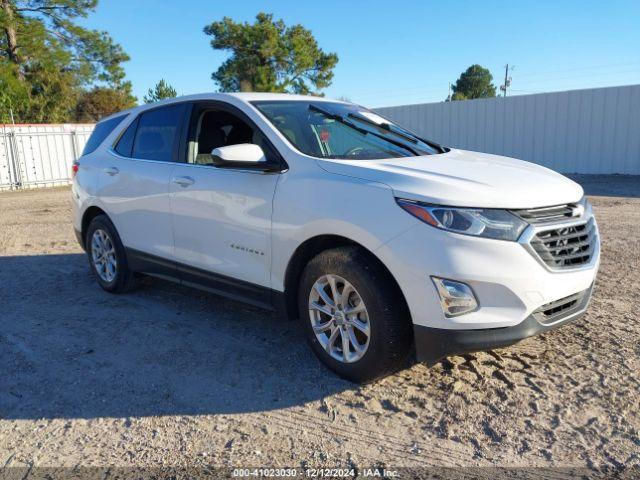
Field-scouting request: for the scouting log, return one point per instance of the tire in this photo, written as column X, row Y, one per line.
column 120, row 279
column 379, row 305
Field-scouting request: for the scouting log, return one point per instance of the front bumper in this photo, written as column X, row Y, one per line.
column 508, row 281
column 433, row 344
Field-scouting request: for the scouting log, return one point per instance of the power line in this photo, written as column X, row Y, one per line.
column 583, row 76
column 574, row 69
column 529, row 85
column 368, row 93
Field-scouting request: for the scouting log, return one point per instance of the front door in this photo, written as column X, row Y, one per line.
column 222, row 216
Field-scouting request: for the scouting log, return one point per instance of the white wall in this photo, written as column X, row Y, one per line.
column 34, row 156
column 579, row 131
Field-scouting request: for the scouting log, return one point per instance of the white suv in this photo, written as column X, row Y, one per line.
column 384, row 244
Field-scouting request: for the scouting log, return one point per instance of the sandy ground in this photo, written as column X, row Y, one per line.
column 175, row 377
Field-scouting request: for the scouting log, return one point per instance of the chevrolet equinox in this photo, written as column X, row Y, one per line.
column 385, row 245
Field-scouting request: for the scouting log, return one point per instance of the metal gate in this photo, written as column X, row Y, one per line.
column 33, row 156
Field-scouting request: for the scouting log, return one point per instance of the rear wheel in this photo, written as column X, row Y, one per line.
column 354, row 315
column 107, row 257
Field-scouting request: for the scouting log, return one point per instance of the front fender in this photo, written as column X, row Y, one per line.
column 362, row 211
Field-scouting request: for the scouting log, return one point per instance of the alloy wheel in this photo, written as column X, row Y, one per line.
column 339, row 318
column 103, row 255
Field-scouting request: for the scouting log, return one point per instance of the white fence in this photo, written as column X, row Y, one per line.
column 34, row 156
column 579, row 131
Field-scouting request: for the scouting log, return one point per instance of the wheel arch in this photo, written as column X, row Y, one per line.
column 89, row 214
column 308, row 250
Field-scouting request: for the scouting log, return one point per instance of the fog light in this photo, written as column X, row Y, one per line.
column 456, row 298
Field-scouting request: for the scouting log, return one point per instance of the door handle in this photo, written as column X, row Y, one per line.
column 111, row 171
column 184, row 181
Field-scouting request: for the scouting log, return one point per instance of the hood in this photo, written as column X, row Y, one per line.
column 465, row 179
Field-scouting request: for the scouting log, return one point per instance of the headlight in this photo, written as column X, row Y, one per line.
column 480, row 222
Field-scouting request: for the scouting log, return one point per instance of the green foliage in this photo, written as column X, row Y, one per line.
column 46, row 96
column 474, row 82
column 268, row 56
column 100, row 102
column 48, row 61
column 12, row 93
column 161, row 91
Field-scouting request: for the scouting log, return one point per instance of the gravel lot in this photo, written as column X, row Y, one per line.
column 176, row 377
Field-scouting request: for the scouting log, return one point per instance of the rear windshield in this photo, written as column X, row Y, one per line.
column 100, row 132
column 342, row 131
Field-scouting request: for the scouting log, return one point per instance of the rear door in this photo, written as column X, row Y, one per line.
column 222, row 216
column 134, row 183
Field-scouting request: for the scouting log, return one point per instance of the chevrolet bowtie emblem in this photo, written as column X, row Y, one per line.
column 577, row 210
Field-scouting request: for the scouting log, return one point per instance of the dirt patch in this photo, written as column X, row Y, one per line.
column 171, row 376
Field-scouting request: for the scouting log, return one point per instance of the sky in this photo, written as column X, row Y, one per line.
column 394, row 52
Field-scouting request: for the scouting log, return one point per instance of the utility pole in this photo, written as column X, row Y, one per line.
column 450, row 92
column 507, row 80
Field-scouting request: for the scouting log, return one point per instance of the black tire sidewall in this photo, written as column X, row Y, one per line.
column 383, row 304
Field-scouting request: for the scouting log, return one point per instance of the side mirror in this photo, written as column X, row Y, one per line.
column 243, row 155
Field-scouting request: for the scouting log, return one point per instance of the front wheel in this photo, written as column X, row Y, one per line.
column 355, row 317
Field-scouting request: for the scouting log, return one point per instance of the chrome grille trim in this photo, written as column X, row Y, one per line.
column 566, row 245
column 559, row 310
column 538, row 216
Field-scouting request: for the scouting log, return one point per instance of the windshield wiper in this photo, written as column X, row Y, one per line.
column 408, row 136
column 385, row 126
column 344, row 121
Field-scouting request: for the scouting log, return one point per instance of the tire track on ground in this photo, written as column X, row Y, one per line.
column 396, row 445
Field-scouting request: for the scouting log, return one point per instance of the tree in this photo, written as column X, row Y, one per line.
column 161, row 91
column 100, row 102
column 474, row 82
column 48, row 59
column 268, row 56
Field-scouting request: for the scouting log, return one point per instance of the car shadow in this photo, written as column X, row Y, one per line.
column 71, row 350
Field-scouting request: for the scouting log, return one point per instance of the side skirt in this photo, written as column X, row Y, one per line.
column 187, row 275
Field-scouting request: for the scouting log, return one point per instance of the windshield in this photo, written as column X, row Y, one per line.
column 342, row 131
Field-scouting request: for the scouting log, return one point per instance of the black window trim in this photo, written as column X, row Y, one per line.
column 180, row 156
column 210, row 104
column 254, row 104
column 121, row 134
column 176, row 154
column 120, row 118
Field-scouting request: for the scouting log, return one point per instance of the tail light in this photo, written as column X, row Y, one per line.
column 75, row 166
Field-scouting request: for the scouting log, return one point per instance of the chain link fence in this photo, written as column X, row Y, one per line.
column 33, row 156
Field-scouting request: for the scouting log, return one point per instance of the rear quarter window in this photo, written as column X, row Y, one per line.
column 100, row 132
column 125, row 143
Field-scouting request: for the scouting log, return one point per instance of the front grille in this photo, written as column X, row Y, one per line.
column 555, row 311
column 566, row 247
column 555, row 214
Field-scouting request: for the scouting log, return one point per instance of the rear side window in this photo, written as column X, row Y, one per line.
column 100, row 132
column 125, row 144
column 158, row 133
